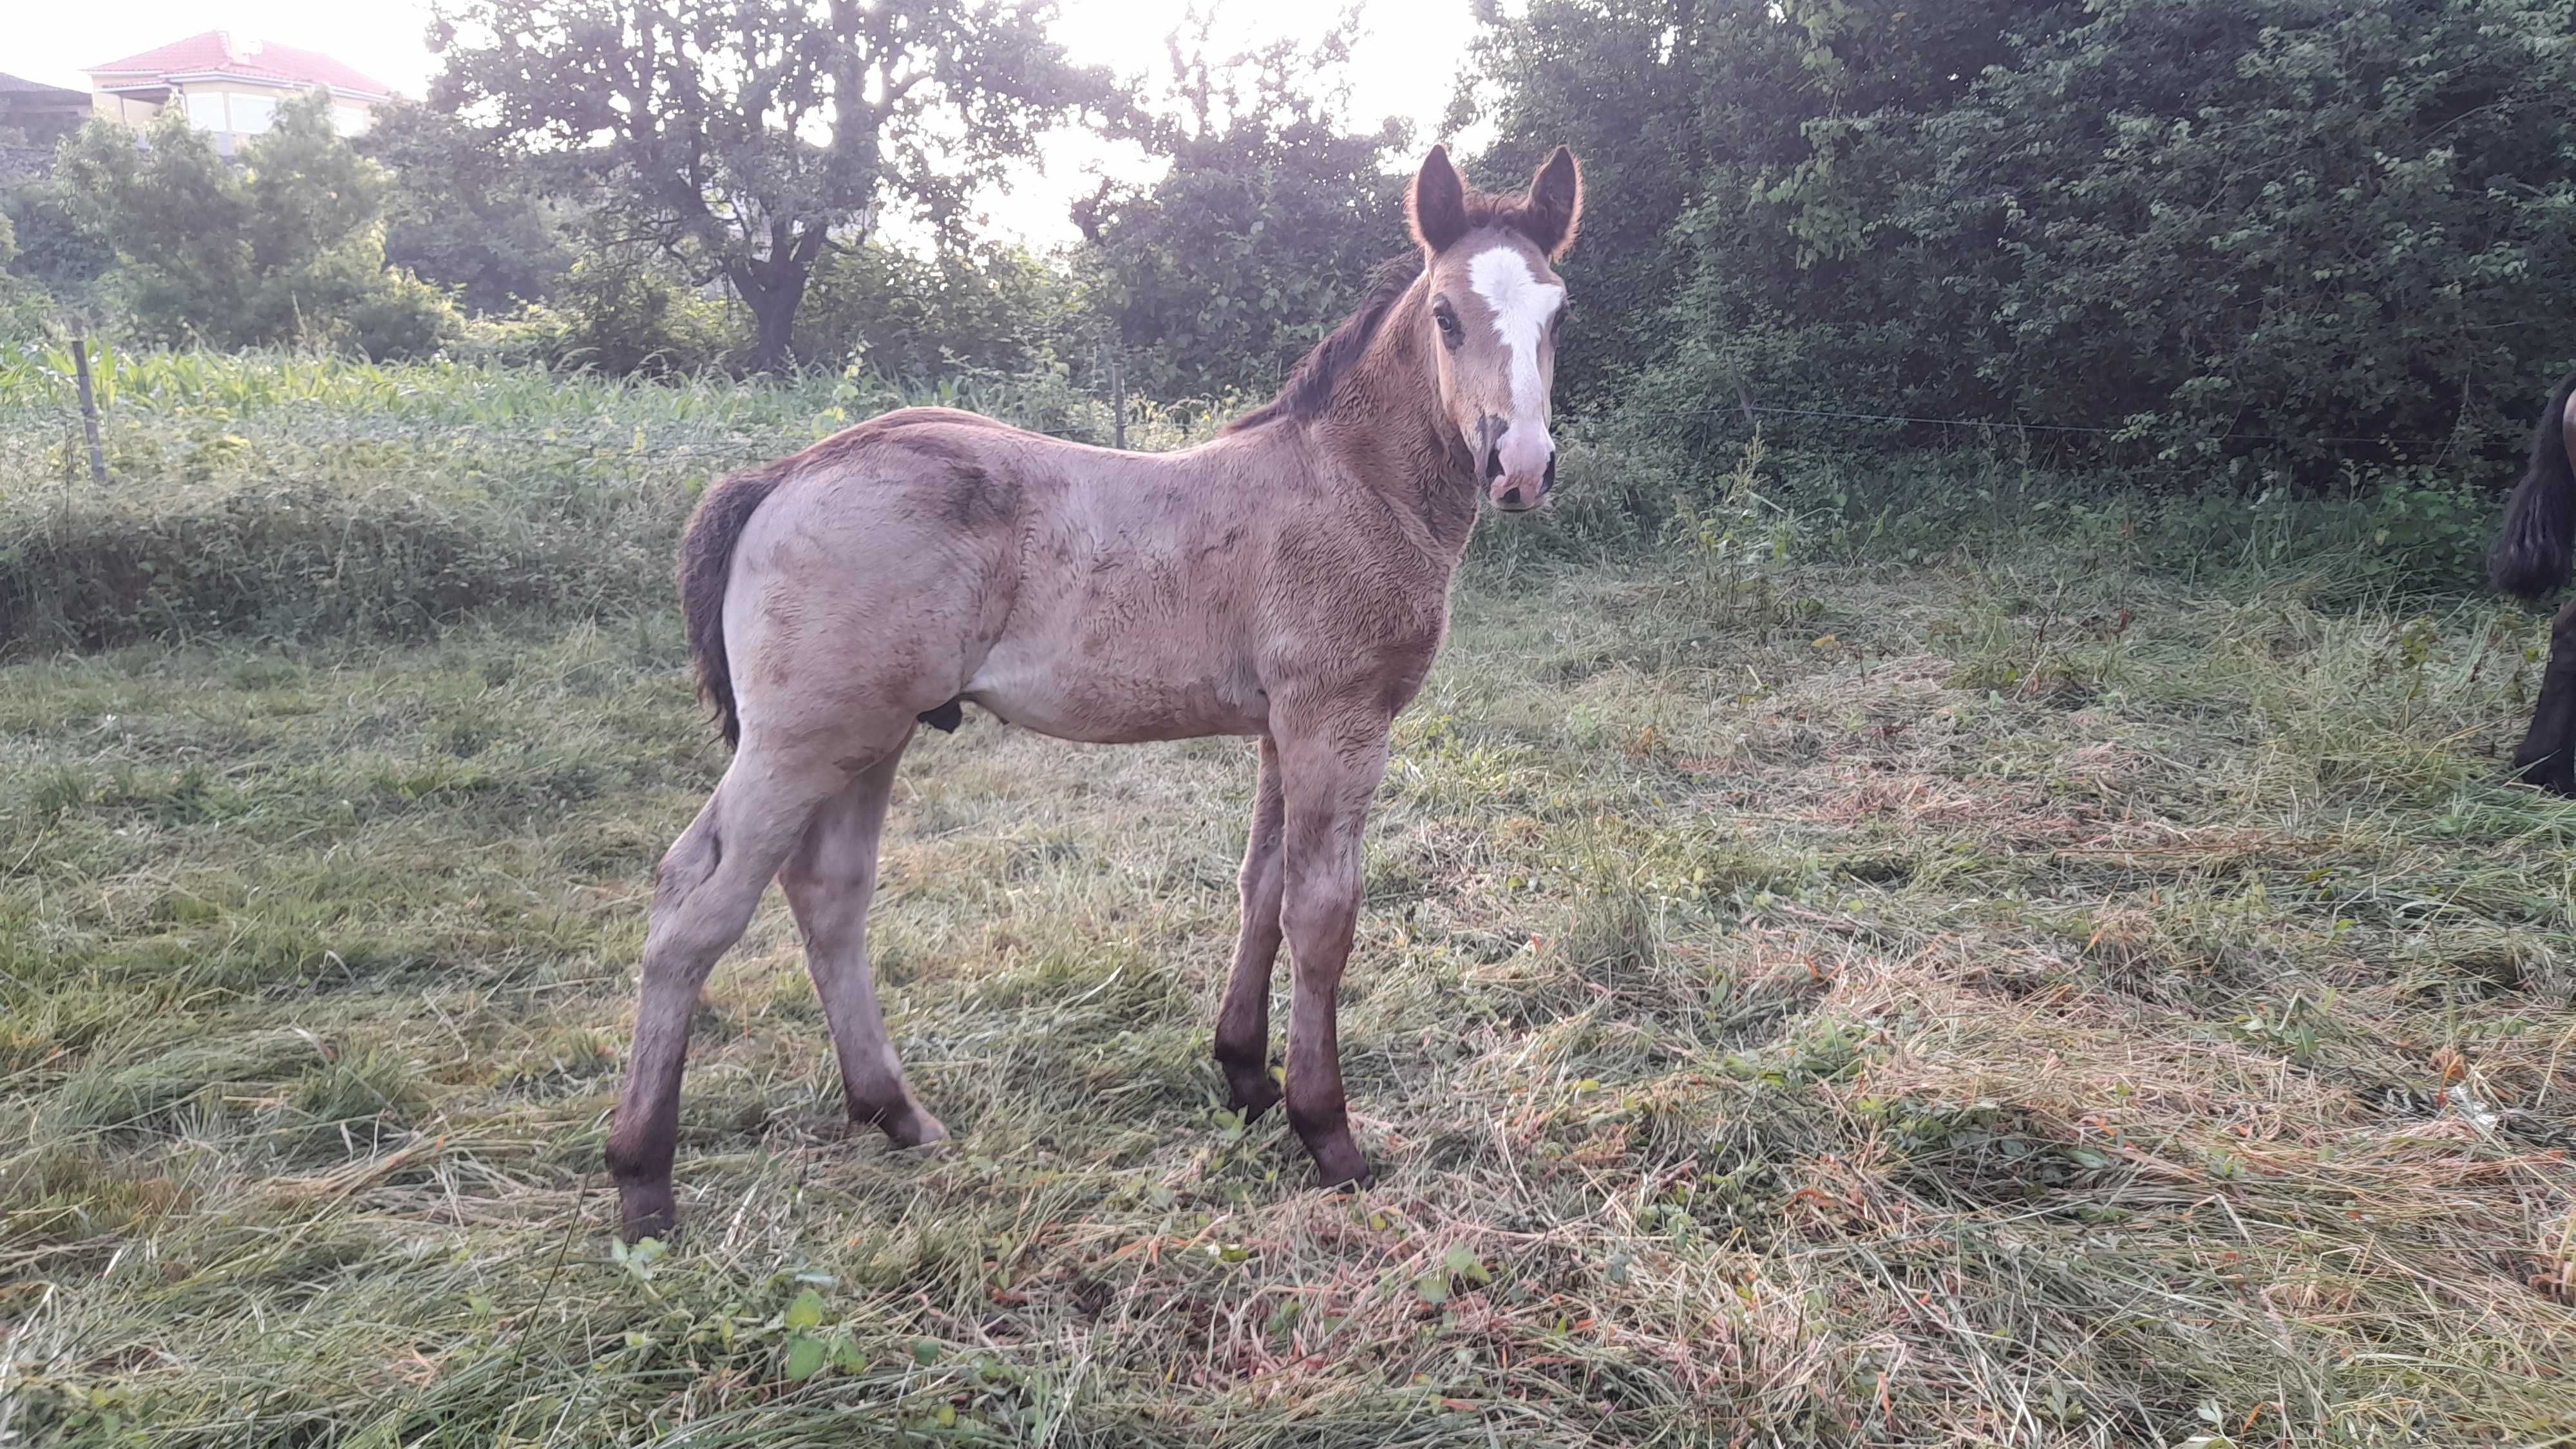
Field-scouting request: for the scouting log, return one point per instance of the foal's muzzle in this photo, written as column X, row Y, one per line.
column 1519, row 462
column 1517, row 492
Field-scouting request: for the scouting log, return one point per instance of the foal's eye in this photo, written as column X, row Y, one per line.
column 1451, row 334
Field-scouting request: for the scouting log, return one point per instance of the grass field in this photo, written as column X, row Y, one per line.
column 2011, row 1004
column 2009, row 997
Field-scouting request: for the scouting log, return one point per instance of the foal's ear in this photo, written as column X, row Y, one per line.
column 1555, row 203
column 1437, row 206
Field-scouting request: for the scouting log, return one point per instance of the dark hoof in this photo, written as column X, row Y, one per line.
column 1250, row 1093
column 2554, row 772
column 905, row 1126
column 648, row 1212
column 1340, row 1166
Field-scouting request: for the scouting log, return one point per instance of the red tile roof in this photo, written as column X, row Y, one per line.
column 216, row 52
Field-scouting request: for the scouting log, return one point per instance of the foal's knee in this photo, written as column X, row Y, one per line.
column 1322, row 906
column 826, row 879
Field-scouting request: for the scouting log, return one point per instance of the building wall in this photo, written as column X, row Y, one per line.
column 232, row 110
column 247, row 108
column 124, row 110
column 42, row 118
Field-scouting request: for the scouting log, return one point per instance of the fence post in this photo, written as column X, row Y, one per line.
column 1117, row 400
column 88, row 405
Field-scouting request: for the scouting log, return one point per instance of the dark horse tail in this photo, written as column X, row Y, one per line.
column 2531, row 555
column 706, row 560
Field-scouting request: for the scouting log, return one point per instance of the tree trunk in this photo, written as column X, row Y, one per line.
column 773, row 307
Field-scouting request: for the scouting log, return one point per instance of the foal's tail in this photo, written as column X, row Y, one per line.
column 706, row 559
column 2531, row 555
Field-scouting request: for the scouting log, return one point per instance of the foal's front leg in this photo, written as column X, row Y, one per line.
column 2548, row 754
column 1243, row 1022
column 1331, row 769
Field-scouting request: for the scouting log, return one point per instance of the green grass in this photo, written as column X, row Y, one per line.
column 2010, row 998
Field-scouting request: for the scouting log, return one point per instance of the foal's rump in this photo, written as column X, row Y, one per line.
column 851, row 583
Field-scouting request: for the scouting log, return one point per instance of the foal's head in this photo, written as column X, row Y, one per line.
column 1495, row 306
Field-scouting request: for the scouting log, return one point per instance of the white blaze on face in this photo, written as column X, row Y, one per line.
column 1522, row 306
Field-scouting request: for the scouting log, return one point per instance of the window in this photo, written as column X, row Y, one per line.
column 253, row 115
column 206, row 112
column 349, row 120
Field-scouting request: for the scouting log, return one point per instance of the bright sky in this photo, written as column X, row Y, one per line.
column 1406, row 64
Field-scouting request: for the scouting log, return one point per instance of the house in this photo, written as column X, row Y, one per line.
column 228, row 87
column 39, row 113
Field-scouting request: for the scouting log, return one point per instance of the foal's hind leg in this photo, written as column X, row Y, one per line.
column 703, row 896
column 2547, row 757
column 829, row 882
column 1243, row 1022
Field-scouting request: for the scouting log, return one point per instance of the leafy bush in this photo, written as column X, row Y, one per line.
column 466, row 211
column 21, row 312
column 620, row 313
column 285, row 248
column 2209, row 231
column 900, row 314
column 58, row 247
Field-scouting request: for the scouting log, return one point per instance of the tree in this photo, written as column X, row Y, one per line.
column 468, row 214
column 288, row 246
column 60, row 248
column 745, row 139
column 1263, row 233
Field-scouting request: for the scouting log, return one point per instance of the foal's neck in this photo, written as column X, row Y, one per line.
column 1386, row 427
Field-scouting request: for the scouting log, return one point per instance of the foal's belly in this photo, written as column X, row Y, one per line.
column 1115, row 701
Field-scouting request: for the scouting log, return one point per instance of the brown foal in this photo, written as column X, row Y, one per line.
column 1288, row 581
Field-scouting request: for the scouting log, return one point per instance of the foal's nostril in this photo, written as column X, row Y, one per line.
column 1493, row 465
column 1547, row 480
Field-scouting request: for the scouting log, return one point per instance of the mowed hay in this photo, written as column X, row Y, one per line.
column 1887, row 1022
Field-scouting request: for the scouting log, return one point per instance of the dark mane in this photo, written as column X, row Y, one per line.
column 1310, row 384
